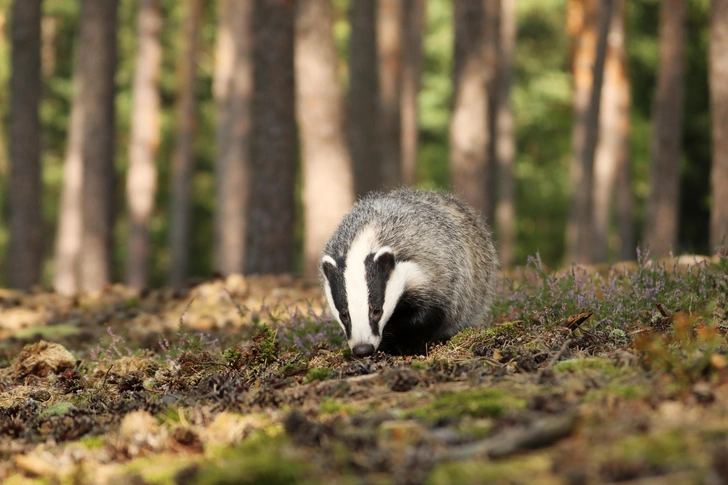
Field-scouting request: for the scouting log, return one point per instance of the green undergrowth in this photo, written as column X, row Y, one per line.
column 487, row 403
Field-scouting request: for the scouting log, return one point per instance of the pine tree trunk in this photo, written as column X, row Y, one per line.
column 362, row 103
column 25, row 256
column 389, row 46
column 491, row 10
column 98, row 42
column 589, row 57
column 414, row 12
column 662, row 212
column 469, row 119
column 141, row 185
column 272, row 205
column 719, row 116
column 328, row 191
column 234, row 98
column 67, row 278
column 505, row 146
column 183, row 157
column 611, row 138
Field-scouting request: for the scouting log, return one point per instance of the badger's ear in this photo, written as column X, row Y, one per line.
column 328, row 266
column 384, row 259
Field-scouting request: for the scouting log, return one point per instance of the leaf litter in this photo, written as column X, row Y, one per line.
column 587, row 375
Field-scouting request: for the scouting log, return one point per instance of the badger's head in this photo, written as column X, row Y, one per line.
column 363, row 290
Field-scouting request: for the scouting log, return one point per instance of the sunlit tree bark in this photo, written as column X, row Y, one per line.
column 662, row 211
column 505, row 147
column 141, row 184
column 389, row 44
column 589, row 22
column 719, row 115
column 234, row 97
column 328, row 191
column 469, row 120
column 414, row 12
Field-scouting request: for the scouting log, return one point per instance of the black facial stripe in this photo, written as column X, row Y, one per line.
column 335, row 276
column 377, row 275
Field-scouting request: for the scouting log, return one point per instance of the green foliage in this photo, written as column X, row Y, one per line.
column 489, row 403
column 318, row 374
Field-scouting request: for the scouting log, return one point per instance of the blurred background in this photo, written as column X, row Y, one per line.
column 156, row 142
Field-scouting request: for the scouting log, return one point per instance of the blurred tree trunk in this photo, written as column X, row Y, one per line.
column 183, row 157
column 491, row 37
column 328, row 191
column 719, row 114
column 362, row 103
column 234, row 97
column 272, row 205
column 389, row 46
column 25, row 256
column 589, row 22
column 141, row 185
column 66, row 277
column 612, row 137
column 505, row 146
column 662, row 211
column 469, row 119
column 625, row 194
column 413, row 16
column 98, row 44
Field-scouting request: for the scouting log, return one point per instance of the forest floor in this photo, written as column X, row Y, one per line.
column 587, row 375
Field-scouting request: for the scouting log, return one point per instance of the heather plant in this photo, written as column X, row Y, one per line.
column 309, row 331
column 621, row 298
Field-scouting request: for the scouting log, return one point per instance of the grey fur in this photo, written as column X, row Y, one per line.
column 443, row 236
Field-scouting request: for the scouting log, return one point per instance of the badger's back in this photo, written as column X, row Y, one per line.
column 444, row 237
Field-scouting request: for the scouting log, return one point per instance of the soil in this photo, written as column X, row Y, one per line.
column 197, row 388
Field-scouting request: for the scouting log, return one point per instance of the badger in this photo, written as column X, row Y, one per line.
column 408, row 267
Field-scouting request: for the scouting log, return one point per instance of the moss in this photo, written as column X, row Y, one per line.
column 479, row 404
column 157, row 470
column 50, row 332
column 264, row 460
column 645, row 455
column 231, row 355
column 605, row 366
column 92, row 442
column 469, row 337
column 318, row 374
column 58, row 409
column 625, row 391
column 330, row 406
column 527, row 469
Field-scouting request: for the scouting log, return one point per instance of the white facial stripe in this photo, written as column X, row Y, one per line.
column 357, row 292
column 329, row 259
column 330, row 299
column 385, row 249
column 405, row 275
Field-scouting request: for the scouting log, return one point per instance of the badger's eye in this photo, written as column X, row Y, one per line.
column 375, row 312
column 344, row 316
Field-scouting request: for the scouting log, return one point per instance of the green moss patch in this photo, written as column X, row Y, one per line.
column 489, row 403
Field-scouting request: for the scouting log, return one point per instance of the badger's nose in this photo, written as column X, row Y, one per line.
column 363, row 350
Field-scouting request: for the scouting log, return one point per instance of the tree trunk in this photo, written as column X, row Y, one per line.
column 25, row 256
column 67, row 278
column 612, row 138
column 141, row 185
column 413, row 16
column 98, row 43
column 591, row 38
column 183, row 157
column 272, row 204
column 719, row 116
column 328, row 191
column 469, row 119
column 491, row 10
column 234, row 97
column 662, row 212
column 505, row 146
column 625, row 194
column 362, row 104
column 389, row 46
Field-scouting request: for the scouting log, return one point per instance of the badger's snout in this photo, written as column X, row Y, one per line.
column 362, row 350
